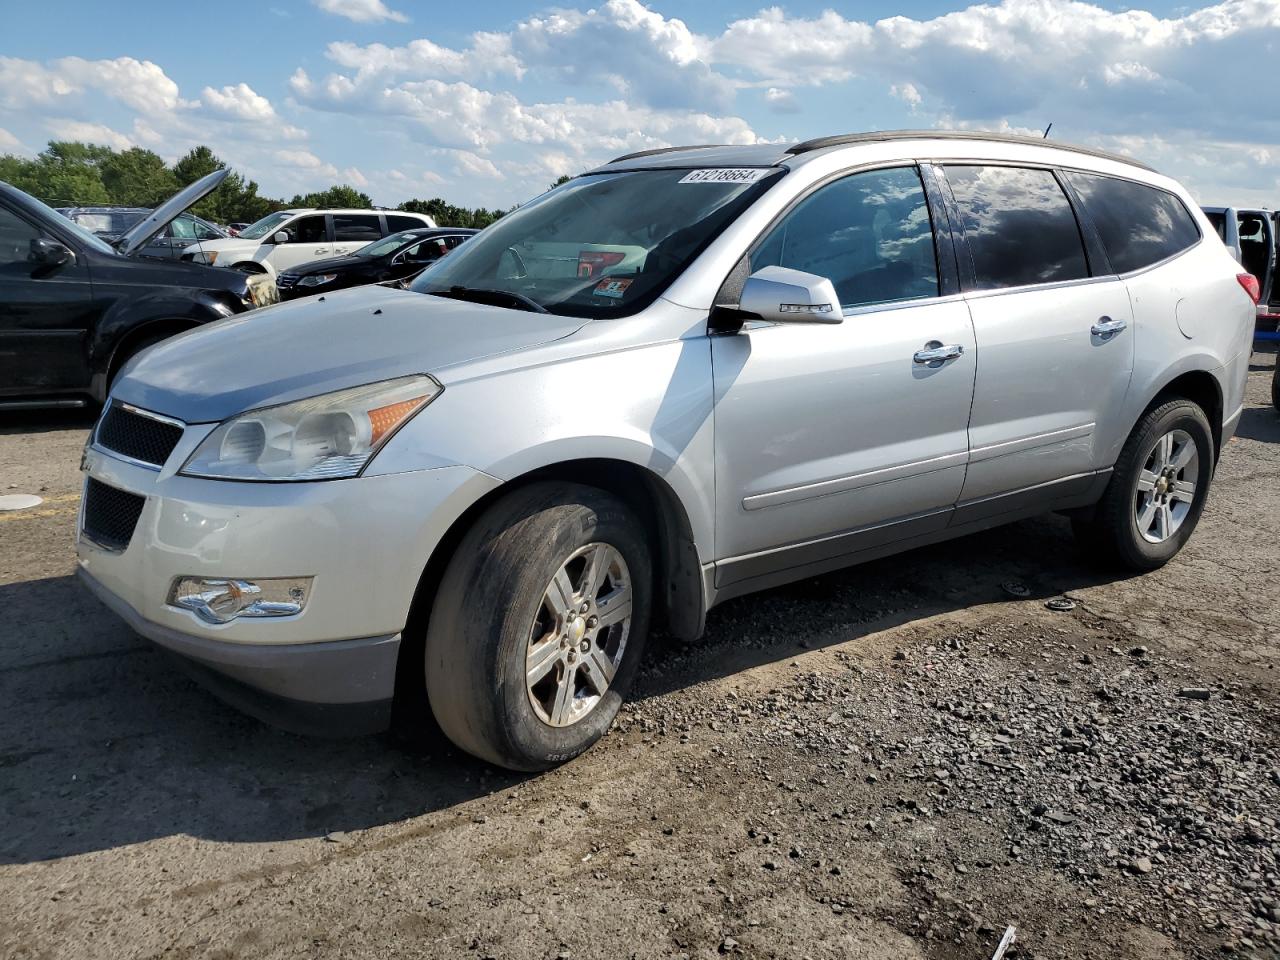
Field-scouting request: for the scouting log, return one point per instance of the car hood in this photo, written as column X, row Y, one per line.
column 141, row 232
column 313, row 346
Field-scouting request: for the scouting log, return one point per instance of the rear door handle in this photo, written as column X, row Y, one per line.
column 321, row 250
column 935, row 354
column 1107, row 328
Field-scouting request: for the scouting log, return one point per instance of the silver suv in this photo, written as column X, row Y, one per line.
column 681, row 377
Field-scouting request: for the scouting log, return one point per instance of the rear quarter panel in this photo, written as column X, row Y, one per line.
column 1190, row 313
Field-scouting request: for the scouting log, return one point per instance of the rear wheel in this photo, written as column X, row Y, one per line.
column 1157, row 490
column 538, row 626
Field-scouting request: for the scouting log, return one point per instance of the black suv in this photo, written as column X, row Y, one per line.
column 74, row 309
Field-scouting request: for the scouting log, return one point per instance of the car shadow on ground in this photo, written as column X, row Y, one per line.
column 27, row 421
column 1260, row 423
column 106, row 743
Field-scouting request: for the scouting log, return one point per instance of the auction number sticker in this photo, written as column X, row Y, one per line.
column 726, row 175
column 613, row 288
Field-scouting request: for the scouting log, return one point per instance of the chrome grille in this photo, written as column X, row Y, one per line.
column 110, row 514
column 137, row 436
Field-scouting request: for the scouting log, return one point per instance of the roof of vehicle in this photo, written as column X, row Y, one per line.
column 102, row 208
column 1261, row 211
column 775, row 154
column 296, row 210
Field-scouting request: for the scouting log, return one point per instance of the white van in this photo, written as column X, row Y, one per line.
column 291, row 237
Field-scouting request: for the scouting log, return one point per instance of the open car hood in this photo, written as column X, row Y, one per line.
column 141, row 232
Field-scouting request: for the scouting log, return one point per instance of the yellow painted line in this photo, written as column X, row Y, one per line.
column 72, row 501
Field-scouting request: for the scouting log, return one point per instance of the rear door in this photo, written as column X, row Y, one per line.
column 1053, row 329
column 45, row 315
column 351, row 231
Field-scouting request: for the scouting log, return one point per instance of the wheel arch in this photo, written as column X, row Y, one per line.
column 124, row 347
column 681, row 603
column 1202, row 388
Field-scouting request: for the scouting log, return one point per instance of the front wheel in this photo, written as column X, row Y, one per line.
column 538, row 626
column 1157, row 490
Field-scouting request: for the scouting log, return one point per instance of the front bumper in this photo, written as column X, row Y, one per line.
column 365, row 542
column 338, row 688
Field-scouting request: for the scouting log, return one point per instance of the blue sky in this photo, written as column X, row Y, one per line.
column 486, row 103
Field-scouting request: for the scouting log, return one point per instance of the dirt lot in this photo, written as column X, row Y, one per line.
column 895, row 761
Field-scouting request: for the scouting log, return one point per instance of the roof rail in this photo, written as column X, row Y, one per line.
column 884, row 135
column 658, row 150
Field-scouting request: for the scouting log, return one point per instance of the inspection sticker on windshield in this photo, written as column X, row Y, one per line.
column 726, row 175
column 612, row 287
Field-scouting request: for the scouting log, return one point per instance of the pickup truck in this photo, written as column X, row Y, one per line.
column 1250, row 235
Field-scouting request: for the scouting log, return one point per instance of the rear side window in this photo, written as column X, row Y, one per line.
column 396, row 223
column 1019, row 226
column 869, row 234
column 1139, row 225
column 348, row 227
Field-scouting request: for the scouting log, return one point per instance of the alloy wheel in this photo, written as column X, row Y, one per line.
column 578, row 635
column 1166, row 487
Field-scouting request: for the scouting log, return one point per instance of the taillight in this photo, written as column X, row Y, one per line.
column 1251, row 286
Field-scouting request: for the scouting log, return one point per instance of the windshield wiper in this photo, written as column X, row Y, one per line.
column 498, row 298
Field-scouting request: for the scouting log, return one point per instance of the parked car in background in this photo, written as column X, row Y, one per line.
column 681, row 377
column 1250, row 235
column 398, row 257
column 75, row 309
column 290, row 238
column 110, row 223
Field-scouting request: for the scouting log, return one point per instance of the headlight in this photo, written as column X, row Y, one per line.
column 211, row 257
column 328, row 437
column 316, row 279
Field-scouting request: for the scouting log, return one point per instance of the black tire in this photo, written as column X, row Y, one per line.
column 482, row 621
column 1112, row 535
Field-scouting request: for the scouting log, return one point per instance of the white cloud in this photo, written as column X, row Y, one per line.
column 89, row 132
column 469, row 164
column 489, row 55
column 908, row 94
column 361, row 11
column 353, row 176
column 240, row 102
column 11, row 144
column 781, row 101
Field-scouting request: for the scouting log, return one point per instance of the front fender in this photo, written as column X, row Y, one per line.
column 129, row 314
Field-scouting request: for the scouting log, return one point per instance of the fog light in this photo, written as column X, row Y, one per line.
column 221, row 601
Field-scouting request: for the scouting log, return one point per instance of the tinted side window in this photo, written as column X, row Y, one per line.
column 348, row 227
column 182, row 228
column 426, row 251
column 15, row 238
column 308, row 230
column 868, row 233
column 1139, row 225
column 396, row 223
column 1019, row 226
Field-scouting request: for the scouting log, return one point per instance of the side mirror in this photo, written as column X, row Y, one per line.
column 49, row 254
column 783, row 295
column 281, row 237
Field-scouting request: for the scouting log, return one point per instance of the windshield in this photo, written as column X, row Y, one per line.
column 386, row 245
column 264, row 226
column 603, row 245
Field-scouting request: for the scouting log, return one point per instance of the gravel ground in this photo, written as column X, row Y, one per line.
column 895, row 761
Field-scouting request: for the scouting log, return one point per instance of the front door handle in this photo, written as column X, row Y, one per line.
column 935, row 354
column 1106, row 328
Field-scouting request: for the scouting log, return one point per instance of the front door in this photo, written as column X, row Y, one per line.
column 1054, row 332
column 308, row 240
column 835, row 438
column 45, row 314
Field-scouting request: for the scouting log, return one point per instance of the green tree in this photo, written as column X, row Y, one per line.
column 137, row 178
column 447, row 215
column 337, row 196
